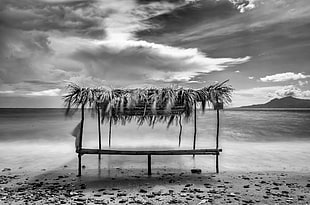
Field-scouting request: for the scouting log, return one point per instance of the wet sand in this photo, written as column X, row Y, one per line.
column 250, row 173
column 166, row 186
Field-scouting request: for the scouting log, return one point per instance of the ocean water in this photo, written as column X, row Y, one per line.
column 251, row 140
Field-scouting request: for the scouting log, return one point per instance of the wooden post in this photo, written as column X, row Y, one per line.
column 110, row 130
column 149, row 167
column 99, row 166
column 80, row 165
column 217, row 162
column 217, row 127
column 217, row 135
column 195, row 128
column 99, row 130
column 82, row 127
column 180, row 133
column 80, row 142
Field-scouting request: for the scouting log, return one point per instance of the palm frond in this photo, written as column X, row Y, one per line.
column 145, row 105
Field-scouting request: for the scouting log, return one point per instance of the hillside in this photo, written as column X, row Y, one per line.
column 286, row 102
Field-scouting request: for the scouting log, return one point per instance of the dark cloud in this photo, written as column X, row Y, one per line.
column 219, row 29
column 185, row 19
column 150, row 1
column 274, row 33
column 26, row 30
column 81, row 18
column 18, row 49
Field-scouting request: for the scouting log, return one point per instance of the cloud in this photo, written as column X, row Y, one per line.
column 281, row 77
column 142, row 61
column 292, row 90
column 274, row 91
column 87, row 81
column 6, row 91
column 244, row 5
column 254, row 95
column 128, row 17
column 21, row 52
column 302, row 83
column 251, row 77
column 32, row 88
column 258, row 91
column 258, row 95
column 79, row 18
column 46, row 42
column 262, row 94
column 94, row 19
column 51, row 92
column 38, row 37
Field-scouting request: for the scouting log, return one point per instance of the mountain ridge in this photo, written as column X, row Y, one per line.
column 285, row 102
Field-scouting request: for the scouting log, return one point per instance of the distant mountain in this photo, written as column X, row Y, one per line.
column 286, row 102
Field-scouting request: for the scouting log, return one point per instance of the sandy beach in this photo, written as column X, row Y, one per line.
column 259, row 164
column 118, row 185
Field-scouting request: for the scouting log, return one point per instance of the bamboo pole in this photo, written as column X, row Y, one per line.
column 217, row 163
column 217, row 127
column 80, row 165
column 180, row 133
column 80, row 142
column 149, row 165
column 99, row 166
column 82, row 127
column 110, row 130
column 195, row 127
column 217, row 135
column 99, row 131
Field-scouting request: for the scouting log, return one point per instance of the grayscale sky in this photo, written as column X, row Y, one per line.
column 261, row 46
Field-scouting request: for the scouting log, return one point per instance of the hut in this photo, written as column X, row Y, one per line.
column 145, row 106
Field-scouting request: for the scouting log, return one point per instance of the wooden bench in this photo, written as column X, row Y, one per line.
column 149, row 153
column 81, row 151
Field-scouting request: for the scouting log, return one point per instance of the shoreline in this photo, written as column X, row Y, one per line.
column 165, row 186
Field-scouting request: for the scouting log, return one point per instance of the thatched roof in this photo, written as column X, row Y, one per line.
column 151, row 105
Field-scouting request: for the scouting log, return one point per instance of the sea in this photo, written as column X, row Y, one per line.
column 252, row 140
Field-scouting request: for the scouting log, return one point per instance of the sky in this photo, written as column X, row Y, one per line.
column 261, row 46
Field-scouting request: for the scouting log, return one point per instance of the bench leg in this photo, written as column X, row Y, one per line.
column 217, row 163
column 149, row 168
column 99, row 166
column 80, row 165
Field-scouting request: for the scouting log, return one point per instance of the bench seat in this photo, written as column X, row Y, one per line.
column 151, row 152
